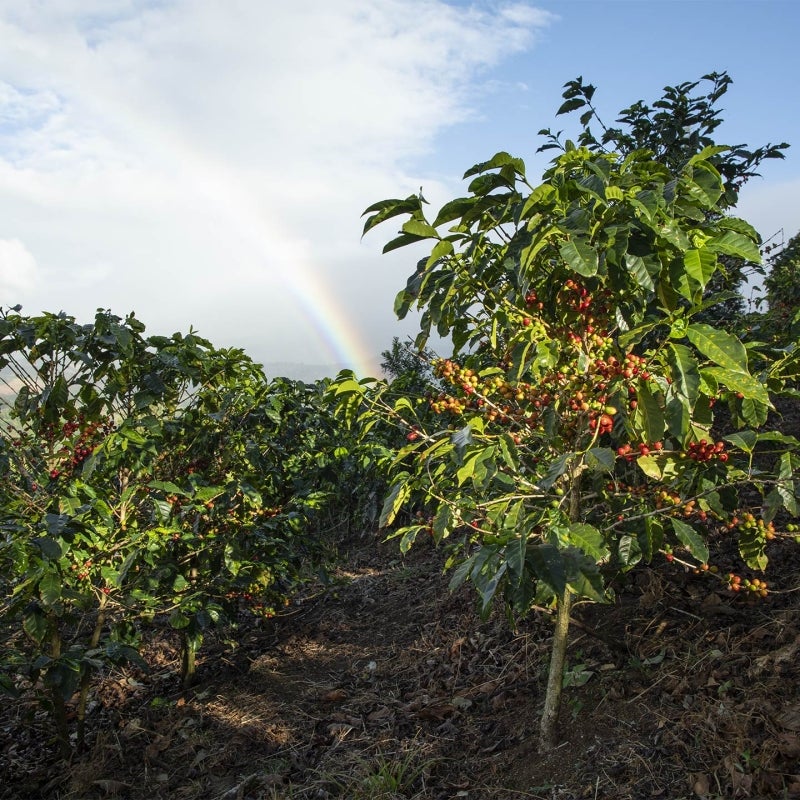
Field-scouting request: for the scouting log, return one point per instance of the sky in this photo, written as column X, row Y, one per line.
column 205, row 163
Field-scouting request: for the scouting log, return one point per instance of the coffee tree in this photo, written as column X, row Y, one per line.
column 141, row 479
column 674, row 127
column 782, row 286
column 577, row 436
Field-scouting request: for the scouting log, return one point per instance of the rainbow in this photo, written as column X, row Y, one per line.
column 341, row 340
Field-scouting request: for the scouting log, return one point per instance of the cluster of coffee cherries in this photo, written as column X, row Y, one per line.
column 630, row 452
column 706, row 451
column 749, row 522
column 755, row 586
column 578, row 394
column 72, row 455
column 532, row 301
column 82, row 570
column 422, row 519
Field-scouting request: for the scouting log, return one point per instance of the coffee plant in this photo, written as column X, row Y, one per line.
column 143, row 480
column 782, row 286
column 577, row 435
column 673, row 128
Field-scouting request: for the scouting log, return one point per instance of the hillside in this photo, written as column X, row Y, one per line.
column 384, row 685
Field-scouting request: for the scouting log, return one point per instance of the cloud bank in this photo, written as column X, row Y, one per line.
column 206, row 164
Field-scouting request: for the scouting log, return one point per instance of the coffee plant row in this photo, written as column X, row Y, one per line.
column 147, row 481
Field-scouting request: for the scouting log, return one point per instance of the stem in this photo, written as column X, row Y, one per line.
column 558, row 651
column 555, row 677
column 188, row 652
column 86, row 675
column 59, row 706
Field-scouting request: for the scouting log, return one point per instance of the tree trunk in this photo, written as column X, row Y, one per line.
column 558, row 651
column 188, row 662
column 86, row 677
column 59, row 706
column 555, row 677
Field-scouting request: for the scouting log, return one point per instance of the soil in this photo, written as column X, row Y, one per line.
column 383, row 684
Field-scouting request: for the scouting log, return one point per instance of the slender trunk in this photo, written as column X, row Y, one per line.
column 59, row 705
column 555, row 677
column 86, row 677
column 558, row 651
column 187, row 662
column 190, row 642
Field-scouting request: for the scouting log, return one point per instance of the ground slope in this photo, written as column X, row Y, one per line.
column 382, row 684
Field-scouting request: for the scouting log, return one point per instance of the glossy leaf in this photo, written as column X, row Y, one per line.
column 690, row 539
column 719, row 346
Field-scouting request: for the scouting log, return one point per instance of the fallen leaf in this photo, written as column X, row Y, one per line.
column 340, row 729
column 701, row 784
column 335, row 696
column 790, row 718
column 379, row 713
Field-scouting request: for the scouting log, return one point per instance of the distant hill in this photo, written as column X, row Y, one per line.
column 302, row 372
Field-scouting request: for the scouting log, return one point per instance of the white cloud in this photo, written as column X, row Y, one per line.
column 18, row 268
column 189, row 158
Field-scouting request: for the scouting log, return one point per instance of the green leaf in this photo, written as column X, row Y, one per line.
column 555, row 471
column 542, row 195
column 752, row 548
column 398, row 495
column 629, row 551
column 719, row 346
column 583, row 575
column 167, row 487
column 787, row 498
column 690, row 539
column 417, row 227
column 50, row 548
column 736, row 381
column 548, row 566
column 50, row 588
column 456, row 209
column 601, row 459
column 651, row 539
column 708, row 152
column 736, row 244
column 685, row 373
column 588, row 539
column 178, row 620
column 467, row 469
column 643, row 270
column 744, row 440
column 659, row 466
column 701, row 265
column 440, row 250
column 571, row 105
column 461, row 438
column 442, row 523
column 705, row 184
column 35, row 625
column 678, row 417
column 580, row 256
column 649, row 417
column 386, row 209
column 401, row 241
column 755, row 413
column 500, row 159
column 63, row 675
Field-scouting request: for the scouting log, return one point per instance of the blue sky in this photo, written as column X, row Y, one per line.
column 206, row 164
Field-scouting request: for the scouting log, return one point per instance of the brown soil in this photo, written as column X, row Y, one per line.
column 385, row 685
